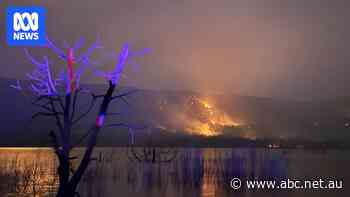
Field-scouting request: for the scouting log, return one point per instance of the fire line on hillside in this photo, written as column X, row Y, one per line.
column 197, row 115
column 207, row 120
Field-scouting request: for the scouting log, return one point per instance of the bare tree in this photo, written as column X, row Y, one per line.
column 150, row 153
column 57, row 97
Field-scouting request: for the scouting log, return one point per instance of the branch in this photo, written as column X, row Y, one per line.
column 78, row 44
column 59, row 99
column 75, row 98
column 46, row 114
column 90, row 50
column 91, row 106
column 41, row 80
column 134, row 153
column 169, row 159
column 124, row 94
column 56, row 143
column 58, row 120
column 57, row 50
column 81, row 139
column 40, row 98
column 17, row 86
column 44, row 106
column 31, row 58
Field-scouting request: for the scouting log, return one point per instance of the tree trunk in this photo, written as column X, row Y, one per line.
column 63, row 172
column 68, row 187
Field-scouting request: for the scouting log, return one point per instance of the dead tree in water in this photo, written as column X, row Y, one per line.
column 58, row 98
column 149, row 153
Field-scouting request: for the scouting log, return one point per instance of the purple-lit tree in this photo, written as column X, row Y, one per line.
column 57, row 97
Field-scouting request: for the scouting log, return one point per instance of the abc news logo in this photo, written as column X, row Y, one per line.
column 26, row 31
column 26, row 26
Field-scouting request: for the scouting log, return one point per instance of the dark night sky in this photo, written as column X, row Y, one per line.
column 288, row 49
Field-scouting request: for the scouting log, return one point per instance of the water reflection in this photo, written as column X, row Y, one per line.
column 27, row 171
column 194, row 172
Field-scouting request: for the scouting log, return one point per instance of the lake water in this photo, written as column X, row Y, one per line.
column 202, row 172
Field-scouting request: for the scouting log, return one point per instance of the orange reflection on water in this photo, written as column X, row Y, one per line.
column 30, row 171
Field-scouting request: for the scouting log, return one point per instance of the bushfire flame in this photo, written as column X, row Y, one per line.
column 206, row 118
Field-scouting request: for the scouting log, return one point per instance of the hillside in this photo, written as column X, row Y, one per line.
column 175, row 113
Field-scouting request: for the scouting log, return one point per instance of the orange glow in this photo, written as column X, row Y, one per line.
column 207, row 119
column 205, row 104
column 200, row 128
